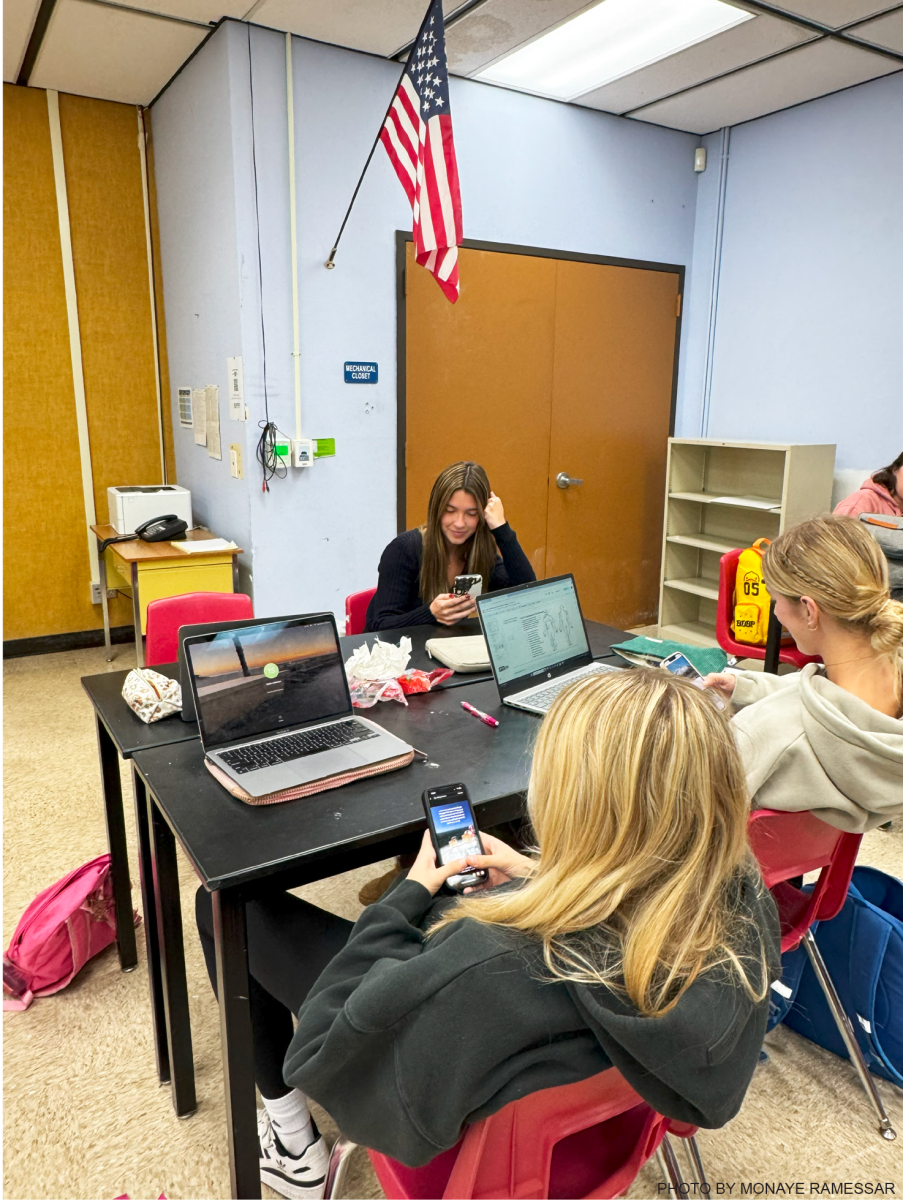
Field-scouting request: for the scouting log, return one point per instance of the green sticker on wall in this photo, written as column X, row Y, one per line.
column 324, row 447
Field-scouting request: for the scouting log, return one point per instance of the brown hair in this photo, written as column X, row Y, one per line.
column 886, row 478
column 639, row 804
column 839, row 564
column 481, row 551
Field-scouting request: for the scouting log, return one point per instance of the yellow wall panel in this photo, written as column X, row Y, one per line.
column 161, row 317
column 109, row 248
column 46, row 569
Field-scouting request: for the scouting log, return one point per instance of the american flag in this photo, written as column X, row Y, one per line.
column 417, row 135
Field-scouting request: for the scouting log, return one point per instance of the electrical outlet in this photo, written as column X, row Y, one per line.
column 96, row 595
column 235, row 461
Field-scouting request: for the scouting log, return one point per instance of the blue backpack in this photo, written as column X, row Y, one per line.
column 863, row 951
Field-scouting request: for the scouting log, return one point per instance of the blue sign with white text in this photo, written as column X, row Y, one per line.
column 361, row 372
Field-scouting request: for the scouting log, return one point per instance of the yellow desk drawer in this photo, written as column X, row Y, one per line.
column 159, row 580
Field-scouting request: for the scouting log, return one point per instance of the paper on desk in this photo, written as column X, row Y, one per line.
column 381, row 661
column 214, row 449
column 199, row 416
column 207, row 546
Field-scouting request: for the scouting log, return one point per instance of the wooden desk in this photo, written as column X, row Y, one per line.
column 152, row 570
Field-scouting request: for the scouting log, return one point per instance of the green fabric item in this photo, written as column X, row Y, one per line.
column 703, row 658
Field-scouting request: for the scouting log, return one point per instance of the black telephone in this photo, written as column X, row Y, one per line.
column 162, row 529
column 168, row 528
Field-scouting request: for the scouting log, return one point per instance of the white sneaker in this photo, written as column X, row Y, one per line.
column 299, row 1177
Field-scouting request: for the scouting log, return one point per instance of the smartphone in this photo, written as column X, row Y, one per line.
column 679, row 664
column 468, row 585
column 453, row 832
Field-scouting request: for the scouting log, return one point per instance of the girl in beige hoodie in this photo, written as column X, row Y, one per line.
column 828, row 739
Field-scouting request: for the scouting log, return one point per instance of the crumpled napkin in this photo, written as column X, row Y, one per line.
column 381, row 661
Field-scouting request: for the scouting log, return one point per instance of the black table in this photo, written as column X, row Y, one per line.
column 121, row 733
column 240, row 851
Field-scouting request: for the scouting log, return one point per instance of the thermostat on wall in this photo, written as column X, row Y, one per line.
column 130, row 507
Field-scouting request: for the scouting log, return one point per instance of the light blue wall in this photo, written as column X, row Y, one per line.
column 533, row 172
column 808, row 341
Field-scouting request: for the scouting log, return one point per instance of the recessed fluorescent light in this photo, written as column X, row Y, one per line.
column 609, row 40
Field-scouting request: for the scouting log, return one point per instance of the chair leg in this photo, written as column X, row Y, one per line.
column 338, row 1162
column 696, row 1165
column 845, row 1029
column 667, row 1160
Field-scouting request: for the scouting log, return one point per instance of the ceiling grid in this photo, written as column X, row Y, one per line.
column 790, row 52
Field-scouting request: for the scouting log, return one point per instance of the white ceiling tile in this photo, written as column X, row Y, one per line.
column 726, row 51
column 835, row 12
column 18, row 20
column 495, row 28
column 885, row 31
column 92, row 50
column 379, row 26
column 204, row 11
column 803, row 74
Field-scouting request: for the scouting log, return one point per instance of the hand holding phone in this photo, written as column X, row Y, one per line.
column 468, row 585
column 679, row 664
column 453, row 833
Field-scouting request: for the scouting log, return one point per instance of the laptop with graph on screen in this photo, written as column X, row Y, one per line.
column 537, row 642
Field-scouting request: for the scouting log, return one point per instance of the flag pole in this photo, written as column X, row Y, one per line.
column 330, row 264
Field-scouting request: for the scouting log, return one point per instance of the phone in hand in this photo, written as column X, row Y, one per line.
column 453, row 832
column 679, row 664
column 468, row 585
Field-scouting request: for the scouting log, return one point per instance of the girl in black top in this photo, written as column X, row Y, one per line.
column 464, row 534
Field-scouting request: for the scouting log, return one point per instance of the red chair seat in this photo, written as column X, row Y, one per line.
column 165, row 617
column 586, row 1139
column 356, row 610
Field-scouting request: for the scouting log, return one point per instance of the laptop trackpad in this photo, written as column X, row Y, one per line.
column 334, row 762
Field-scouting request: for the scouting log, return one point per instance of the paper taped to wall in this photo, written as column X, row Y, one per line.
column 185, row 407
column 214, row 449
column 199, row 416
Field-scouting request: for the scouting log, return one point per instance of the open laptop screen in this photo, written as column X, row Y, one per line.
column 266, row 677
column 533, row 629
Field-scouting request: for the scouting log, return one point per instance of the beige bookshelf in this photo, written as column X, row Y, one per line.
column 723, row 495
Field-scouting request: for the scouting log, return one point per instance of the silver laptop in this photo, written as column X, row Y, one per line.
column 273, row 705
column 537, row 641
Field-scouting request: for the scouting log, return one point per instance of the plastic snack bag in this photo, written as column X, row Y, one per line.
column 373, row 672
column 420, row 681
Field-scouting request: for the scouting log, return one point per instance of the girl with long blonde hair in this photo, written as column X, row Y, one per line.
column 828, row 738
column 466, row 533
column 636, row 934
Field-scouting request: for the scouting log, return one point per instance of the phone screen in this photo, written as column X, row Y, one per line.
column 679, row 664
column 454, row 831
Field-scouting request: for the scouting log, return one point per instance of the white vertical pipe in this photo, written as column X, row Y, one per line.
column 75, row 345
column 293, row 222
column 716, row 283
column 145, row 196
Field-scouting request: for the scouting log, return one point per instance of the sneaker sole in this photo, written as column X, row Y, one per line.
column 291, row 1188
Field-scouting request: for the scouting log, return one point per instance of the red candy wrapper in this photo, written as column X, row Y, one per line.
column 420, row 681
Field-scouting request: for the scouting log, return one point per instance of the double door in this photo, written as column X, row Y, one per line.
column 556, row 375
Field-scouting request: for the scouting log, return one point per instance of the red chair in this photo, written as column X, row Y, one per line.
column 166, row 616
column 727, row 578
column 586, row 1139
column 356, row 610
column 788, row 845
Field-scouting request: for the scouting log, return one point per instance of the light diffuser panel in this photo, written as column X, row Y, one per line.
column 612, row 39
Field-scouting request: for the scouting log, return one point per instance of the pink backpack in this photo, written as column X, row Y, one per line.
column 62, row 928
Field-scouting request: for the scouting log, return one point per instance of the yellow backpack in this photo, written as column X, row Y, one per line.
column 752, row 602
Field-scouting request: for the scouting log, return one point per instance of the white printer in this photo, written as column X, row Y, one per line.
column 130, row 507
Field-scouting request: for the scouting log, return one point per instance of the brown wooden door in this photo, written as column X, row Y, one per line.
column 546, row 365
column 611, row 414
column 479, row 383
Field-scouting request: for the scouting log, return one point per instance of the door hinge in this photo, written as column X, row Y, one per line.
column 679, row 298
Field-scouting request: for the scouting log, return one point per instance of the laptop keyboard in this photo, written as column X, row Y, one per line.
column 544, row 698
column 296, row 745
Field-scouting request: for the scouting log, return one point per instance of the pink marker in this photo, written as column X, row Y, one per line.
column 475, row 712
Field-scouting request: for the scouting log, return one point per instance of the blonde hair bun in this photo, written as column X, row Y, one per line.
column 837, row 562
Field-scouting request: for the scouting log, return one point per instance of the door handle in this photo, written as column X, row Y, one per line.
column 565, row 481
